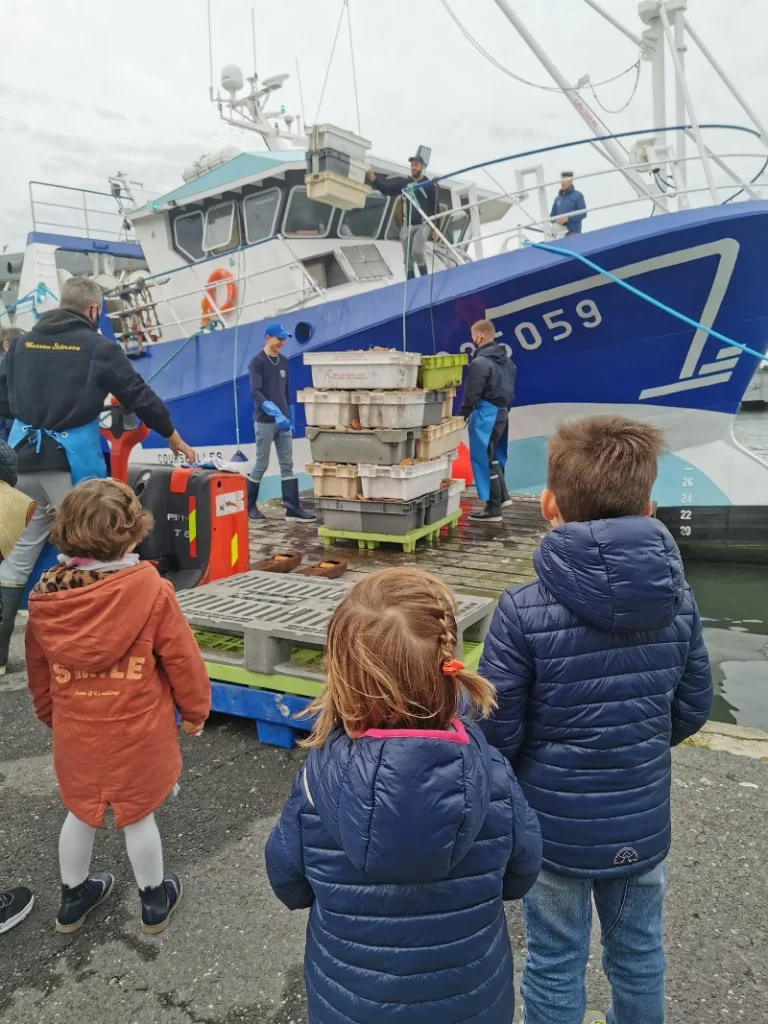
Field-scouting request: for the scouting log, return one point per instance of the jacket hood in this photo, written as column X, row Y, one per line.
column 405, row 808
column 617, row 574
column 57, row 321
column 493, row 351
column 94, row 626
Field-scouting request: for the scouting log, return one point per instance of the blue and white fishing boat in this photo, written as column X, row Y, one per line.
column 662, row 316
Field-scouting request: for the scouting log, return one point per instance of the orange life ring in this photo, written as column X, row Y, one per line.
column 208, row 306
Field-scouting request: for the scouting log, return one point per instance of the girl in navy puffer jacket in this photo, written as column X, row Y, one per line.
column 405, row 830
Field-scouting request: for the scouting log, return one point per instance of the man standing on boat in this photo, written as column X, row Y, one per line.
column 271, row 393
column 489, row 391
column 54, row 382
column 414, row 232
column 569, row 206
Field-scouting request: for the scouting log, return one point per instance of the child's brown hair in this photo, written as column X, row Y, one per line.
column 388, row 644
column 100, row 519
column 603, row 467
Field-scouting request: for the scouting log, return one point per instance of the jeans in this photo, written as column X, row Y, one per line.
column 414, row 240
column 558, row 920
column 268, row 434
column 47, row 489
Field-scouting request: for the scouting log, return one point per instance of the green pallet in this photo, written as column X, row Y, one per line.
column 223, row 673
column 438, row 372
column 408, row 540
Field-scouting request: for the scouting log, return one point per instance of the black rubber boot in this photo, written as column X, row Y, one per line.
column 492, row 511
column 253, row 497
column 77, row 903
column 506, row 501
column 159, row 903
column 294, row 513
column 11, row 599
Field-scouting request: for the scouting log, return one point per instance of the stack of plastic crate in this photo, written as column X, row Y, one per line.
column 382, row 437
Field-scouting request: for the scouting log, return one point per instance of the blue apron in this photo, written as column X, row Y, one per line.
column 480, row 427
column 82, row 445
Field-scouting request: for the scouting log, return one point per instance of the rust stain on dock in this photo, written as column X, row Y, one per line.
column 484, row 558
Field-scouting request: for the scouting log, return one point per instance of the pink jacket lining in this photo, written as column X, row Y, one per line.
column 459, row 736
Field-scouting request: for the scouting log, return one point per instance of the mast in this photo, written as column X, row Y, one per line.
column 610, row 149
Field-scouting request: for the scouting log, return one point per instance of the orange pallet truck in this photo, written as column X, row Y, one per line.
column 201, row 515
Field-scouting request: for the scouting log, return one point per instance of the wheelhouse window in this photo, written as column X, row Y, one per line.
column 188, row 235
column 260, row 215
column 365, row 223
column 222, row 231
column 455, row 226
column 305, row 217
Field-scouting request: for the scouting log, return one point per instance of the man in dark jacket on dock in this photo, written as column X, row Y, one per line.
column 271, row 394
column 489, row 391
column 54, row 382
column 599, row 667
column 414, row 231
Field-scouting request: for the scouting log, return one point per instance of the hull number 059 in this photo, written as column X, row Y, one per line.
column 529, row 333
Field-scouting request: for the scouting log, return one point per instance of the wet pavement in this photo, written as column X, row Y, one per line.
column 233, row 954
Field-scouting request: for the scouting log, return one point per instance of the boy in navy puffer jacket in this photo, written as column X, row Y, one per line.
column 405, row 830
column 600, row 667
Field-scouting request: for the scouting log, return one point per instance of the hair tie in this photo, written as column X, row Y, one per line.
column 452, row 667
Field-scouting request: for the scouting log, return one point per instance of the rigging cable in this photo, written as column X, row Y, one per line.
column 534, row 85
column 741, row 190
column 330, row 60
column 354, row 65
column 620, row 110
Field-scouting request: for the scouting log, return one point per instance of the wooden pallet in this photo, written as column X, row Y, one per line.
column 408, row 541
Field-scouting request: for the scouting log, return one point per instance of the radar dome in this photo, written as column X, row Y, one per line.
column 232, row 78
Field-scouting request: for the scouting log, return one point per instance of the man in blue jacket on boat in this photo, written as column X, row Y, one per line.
column 599, row 668
column 569, row 206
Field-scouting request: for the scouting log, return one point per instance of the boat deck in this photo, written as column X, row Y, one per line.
column 482, row 558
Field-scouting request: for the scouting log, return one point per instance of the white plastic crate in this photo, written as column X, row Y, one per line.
column 332, row 481
column 403, row 483
column 328, row 408
column 390, row 410
column 455, row 490
column 385, row 370
column 437, row 440
column 328, row 136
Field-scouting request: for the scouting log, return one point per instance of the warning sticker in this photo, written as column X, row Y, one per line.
column 230, row 504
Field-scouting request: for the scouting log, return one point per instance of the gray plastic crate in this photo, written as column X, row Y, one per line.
column 388, row 517
column 436, row 507
column 371, row 447
column 275, row 613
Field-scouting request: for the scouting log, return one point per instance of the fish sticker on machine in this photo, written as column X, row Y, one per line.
column 230, row 504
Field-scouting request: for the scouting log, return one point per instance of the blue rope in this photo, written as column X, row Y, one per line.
column 36, row 295
column 648, row 298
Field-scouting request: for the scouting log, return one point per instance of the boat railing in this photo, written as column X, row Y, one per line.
column 137, row 300
column 89, row 213
column 661, row 191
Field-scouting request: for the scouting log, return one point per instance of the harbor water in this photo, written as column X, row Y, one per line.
column 733, row 601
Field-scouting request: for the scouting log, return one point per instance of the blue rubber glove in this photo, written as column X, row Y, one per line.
column 283, row 423
column 271, row 410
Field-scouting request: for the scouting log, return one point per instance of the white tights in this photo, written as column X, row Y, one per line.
column 142, row 842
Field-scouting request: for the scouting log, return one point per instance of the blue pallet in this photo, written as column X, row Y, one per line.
column 273, row 713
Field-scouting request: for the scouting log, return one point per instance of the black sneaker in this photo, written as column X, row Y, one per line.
column 159, row 903
column 77, row 903
column 15, row 905
column 486, row 515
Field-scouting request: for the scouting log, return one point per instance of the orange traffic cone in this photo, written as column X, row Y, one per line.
column 462, row 467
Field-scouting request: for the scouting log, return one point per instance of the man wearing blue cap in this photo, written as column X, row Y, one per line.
column 270, row 391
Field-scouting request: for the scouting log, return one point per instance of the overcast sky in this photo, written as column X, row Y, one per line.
column 96, row 87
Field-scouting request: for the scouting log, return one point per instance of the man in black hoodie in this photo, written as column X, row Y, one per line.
column 54, row 382
column 414, row 235
column 489, row 391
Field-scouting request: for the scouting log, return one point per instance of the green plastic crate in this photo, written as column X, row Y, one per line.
column 444, row 371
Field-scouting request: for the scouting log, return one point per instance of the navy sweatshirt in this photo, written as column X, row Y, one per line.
column 58, row 377
column 269, row 383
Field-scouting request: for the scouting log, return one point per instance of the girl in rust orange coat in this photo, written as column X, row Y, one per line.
column 110, row 658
